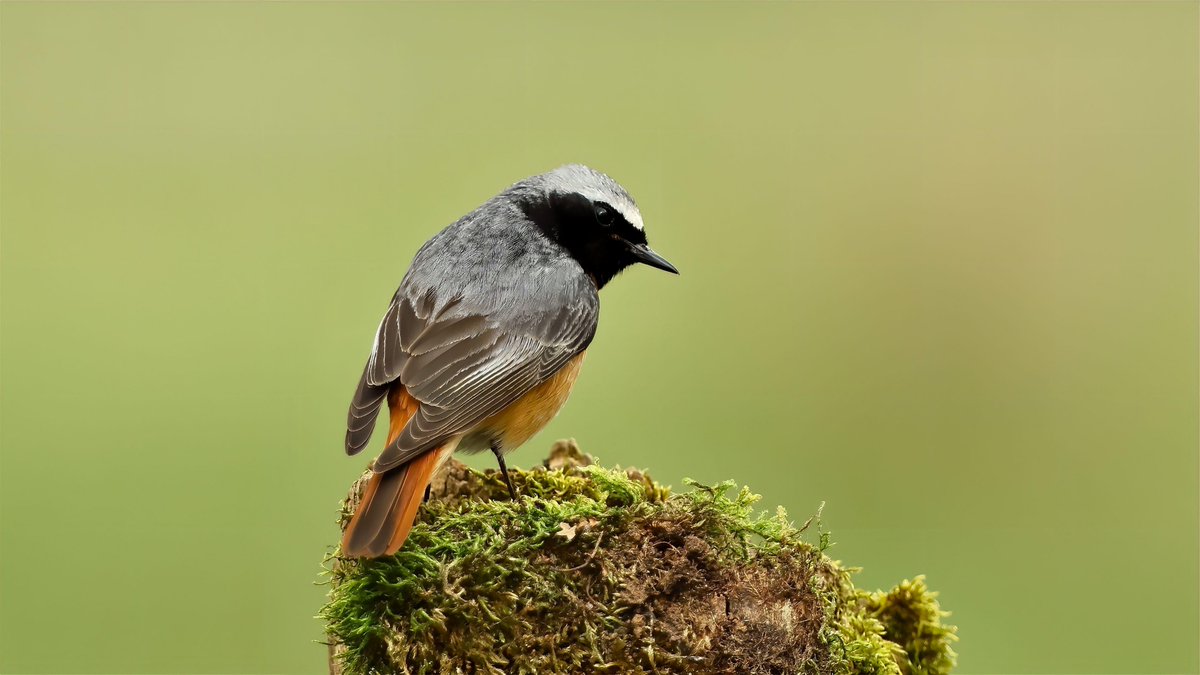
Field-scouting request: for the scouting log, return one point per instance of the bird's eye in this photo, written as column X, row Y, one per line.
column 604, row 215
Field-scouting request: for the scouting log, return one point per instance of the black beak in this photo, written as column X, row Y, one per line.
column 643, row 254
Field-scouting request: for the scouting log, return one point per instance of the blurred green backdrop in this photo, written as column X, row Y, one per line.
column 939, row 271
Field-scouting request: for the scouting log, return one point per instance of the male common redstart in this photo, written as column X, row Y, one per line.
column 484, row 338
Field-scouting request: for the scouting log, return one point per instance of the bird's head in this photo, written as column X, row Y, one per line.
column 592, row 217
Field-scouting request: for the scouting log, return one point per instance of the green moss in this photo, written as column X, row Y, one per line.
column 911, row 618
column 600, row 570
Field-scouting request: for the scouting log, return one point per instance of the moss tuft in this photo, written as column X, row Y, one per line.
column 604, row 571
column 911, row 618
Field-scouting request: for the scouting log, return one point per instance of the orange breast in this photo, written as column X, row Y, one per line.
column 532, row 412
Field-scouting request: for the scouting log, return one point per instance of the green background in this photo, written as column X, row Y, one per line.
column 939, row 272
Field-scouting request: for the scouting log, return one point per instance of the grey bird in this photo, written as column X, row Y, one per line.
column 482, row 342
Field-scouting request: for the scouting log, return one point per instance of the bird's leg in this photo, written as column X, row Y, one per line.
column 512, row 494
column 428, row 490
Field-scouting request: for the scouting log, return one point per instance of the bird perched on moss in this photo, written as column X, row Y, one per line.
column 484, row 338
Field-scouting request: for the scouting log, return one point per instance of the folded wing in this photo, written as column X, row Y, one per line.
column 466, row 361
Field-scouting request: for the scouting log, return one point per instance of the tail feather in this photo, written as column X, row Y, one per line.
column 391, row 498
column 389, row 505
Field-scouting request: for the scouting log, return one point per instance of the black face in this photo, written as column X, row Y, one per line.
column 595, row 234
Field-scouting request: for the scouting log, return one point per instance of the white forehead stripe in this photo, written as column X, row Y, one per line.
column 595, row 186
column 622, row 205
column 631, row 214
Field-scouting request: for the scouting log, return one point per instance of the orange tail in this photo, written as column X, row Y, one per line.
column 388, row 507
column 391, row 499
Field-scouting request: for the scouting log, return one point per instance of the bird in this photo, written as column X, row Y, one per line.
column 482, row 342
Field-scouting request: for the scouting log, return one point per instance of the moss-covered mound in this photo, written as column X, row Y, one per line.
column 595, row 570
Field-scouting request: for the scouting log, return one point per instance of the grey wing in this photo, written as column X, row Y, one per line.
column 463, row 364
column 427, row 336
